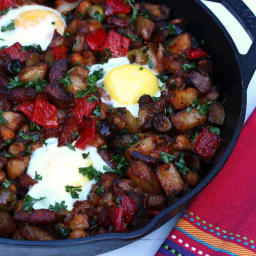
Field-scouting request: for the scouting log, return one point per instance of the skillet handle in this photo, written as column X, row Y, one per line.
column 247, row 19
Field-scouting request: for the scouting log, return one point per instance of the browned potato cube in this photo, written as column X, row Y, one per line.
column 180, row 44
column 141, row 174
column 14, row 120
column 17, row 166
column 181, row 99
column 184, row 120
column 170, row 179
column 6, row 133
column 34, row 72
column 16, row 148
column 144, row 27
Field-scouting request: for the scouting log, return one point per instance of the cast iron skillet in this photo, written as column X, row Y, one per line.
column 232, row 75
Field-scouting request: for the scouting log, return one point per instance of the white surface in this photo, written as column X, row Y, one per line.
column 148, row 245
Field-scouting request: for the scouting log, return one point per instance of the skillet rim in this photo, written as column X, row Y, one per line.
column 153, row 224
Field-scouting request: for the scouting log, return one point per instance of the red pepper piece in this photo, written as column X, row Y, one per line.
column 27, row 109
column 196, row 53
column 87, row 135
column 118, row 6
column 129, row 208
column 117, row 44
column 68, row 131
column 206, row 144
column 83, row 108
column 44, row 114
column 97, row 39
column 60, row 52
column 4, row 4
column 15, row 52
column 123, row 215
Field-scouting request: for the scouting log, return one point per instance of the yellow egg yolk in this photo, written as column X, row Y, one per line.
column 127, row 83
column 34, row 17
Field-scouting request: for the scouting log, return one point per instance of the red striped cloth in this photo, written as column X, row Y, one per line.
column 221, row 220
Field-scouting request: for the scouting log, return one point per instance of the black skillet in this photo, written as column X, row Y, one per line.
column 232, row 75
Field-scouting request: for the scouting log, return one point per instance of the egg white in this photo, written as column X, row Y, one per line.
column 58, row 167
column 107, row 67
column 39, row 34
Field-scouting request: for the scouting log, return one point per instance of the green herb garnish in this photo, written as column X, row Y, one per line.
column 99, row 190
column 73, row 191
column 97, row 111
column 38, row 84
column 15, row 83
column 6, row 184
column 215, row 130
column 34, row 127
column 85, row 155
column 38, row 176
column 134, row 10
column 3, row 121
column 58, row 207
column 166, row 158
column 150, row 63
column 90, row 172
column 92, row 98
column 188, row 66
column 71, row 147
column 30, row 201
column 9, row 27
column 181, row 164
column 3, row 12
column 33, row 137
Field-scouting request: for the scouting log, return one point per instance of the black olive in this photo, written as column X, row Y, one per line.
column 13, row 67
column 105, row 130
column 161, row 123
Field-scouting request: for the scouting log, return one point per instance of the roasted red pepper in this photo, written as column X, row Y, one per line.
column 207, row 143
column 97, row 39
column 27, row 109
column 68, row 132
column 15, row 52
column 117, row 44
column 87, row 135
column 60, row 52
column 196, row 53
column 83, row 108
column 123, row 214
column 44, row 114
column 4, row 4
column 117, row 6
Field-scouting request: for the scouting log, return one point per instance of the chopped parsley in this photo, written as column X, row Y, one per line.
column 38, row 84
column 189, row 109
column 30, row 201
column 66, row 34
column 97, row 111
column 33, row 137
column 150, row 63
column 141, row 68
column 202, row 109
column 181, row 164
column 168, row 110
column 91, row 83
column 6, row 184
column 134, row 10
column 98, row 16
column 73, row 191
column 66, row 81
column 7, row 142
column 92, row 98
column 9, row 27
column 215, row 130
column 34, row 47
column 3, row 12
column 166, row 158
column 154, row 98
column 34, row 127
column 3, row 121
column 163, row 78
column 7, row 155
column 58, row 207
column 171, row 29
column 188, row 66
column 15, row 83
column 146, row 14
column 90, row 172
column 71, row 147
column 85, row 155
column 75, row 135
column 99, row 190
column 38, row 176
column 53, row 22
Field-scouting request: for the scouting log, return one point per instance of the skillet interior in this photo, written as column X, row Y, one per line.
column 227, row 76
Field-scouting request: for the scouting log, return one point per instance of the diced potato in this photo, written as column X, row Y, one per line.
column 182, row 143
column 17, row 166
column 32, row 59
column 34, row 72
column 141, row 174
column 186, row 120
column 6, row 133
column 16, row 148
column 181, row 99
column 144, row 27
column 170, row 179
column 180, row 44
column 14, row 120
